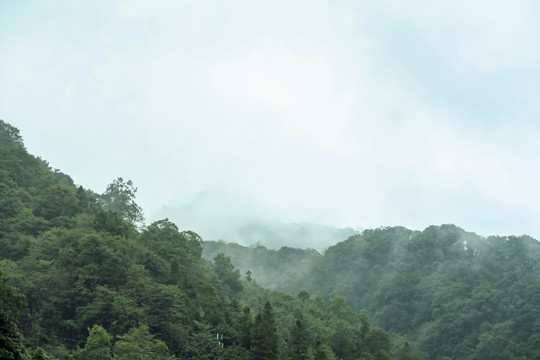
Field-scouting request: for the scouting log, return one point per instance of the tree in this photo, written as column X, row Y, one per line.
column 320, row 353
column 227, row 274
column 405, row 352
column 139, row 344
column 298, row 350
column 378, row 344
column 9, row 136
column 246, row 327
column 111, row 222
column 11, row 303
column 264, row 345
column 120, row 198
column 164, row 236
column 55, row 201
column 303, row 295
column 40, row 354
column 97, row 347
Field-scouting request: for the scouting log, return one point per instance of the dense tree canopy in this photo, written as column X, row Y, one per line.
column 448, row 293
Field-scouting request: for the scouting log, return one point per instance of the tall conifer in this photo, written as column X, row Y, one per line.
column 298, row 349
column 265, row 340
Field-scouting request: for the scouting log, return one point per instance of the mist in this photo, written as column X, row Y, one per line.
column 350, row 115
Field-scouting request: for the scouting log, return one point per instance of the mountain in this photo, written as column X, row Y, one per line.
column 82, row 278
column 455, row 294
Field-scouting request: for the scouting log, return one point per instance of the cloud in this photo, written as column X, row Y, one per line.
column 352, row 114
column 486, row 35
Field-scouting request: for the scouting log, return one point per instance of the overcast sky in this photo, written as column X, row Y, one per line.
column 344, row 113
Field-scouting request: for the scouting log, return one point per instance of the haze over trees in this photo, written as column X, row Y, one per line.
column 448, row 293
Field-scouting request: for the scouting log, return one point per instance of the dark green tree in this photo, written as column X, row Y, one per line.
column 139, row 344
column 320, row 353
column 303, row 295
column 229, row 276
column 264, row 345
column 9, row 136
column 11, row 303
column 55, row 201
column 405, row 352
column 298, row 349
column 111, row 222
column 40, row 354
column 97, row 347
column 246, row 327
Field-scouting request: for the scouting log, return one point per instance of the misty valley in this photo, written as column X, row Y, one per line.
column 83, row 277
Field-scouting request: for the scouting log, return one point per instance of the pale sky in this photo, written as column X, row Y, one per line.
column 342, row 113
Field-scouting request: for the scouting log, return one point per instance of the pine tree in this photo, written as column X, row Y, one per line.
column 265, row 340
column 246, row 328
column 298, row 349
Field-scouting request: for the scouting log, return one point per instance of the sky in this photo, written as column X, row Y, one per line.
column 353, row 114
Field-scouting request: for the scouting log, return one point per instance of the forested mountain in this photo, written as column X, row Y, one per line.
column 82, row 278
column 455, row 294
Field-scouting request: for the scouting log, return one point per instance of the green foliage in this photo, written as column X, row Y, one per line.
column 229, row 277
column 55, row 201
column 299, row 347
column 447, row 292
column 11, row 303
column 111, row 222
column 40, row 354
column 98, row 345
column 10, row 136
column 119, row 197
column 139, row 344
column 264, row 345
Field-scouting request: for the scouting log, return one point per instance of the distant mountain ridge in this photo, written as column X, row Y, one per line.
column 217, row 216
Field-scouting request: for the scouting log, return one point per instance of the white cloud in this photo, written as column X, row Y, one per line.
column 302, row 110
column 487, row 35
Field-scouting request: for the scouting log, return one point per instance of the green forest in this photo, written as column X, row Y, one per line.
column 451, row 293
column 82, row 277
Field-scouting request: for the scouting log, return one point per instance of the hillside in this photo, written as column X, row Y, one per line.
column 456, row 294
column 81, row 277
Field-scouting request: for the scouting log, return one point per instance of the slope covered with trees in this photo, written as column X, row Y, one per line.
column 82, row 278
column 454, row 294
